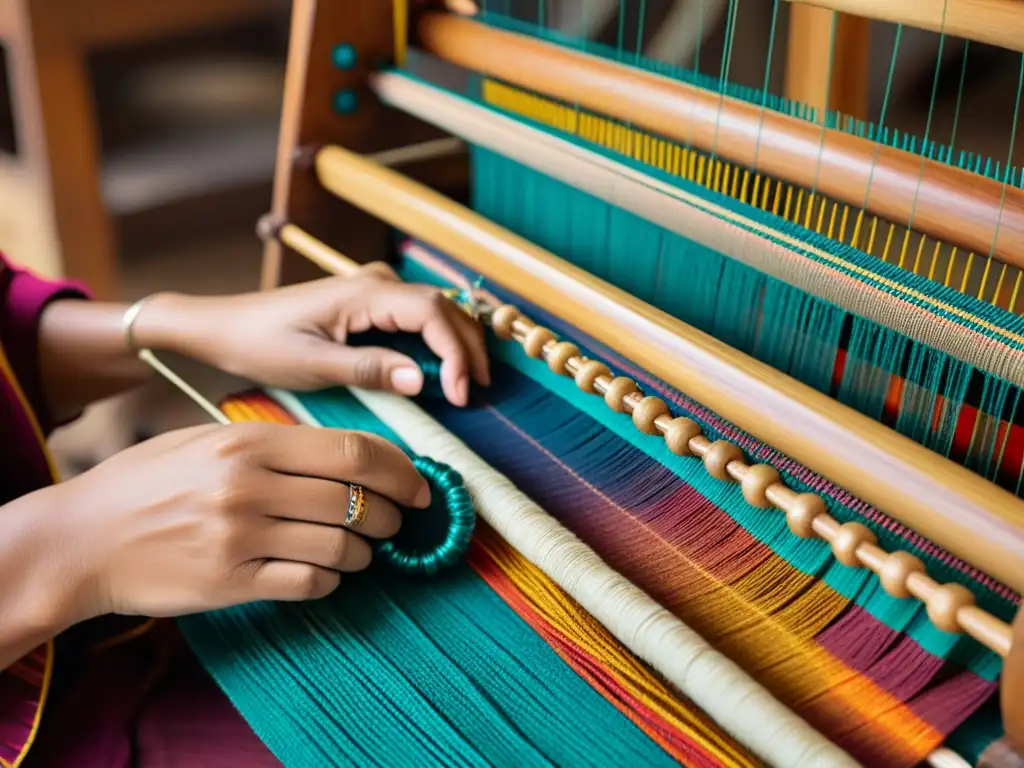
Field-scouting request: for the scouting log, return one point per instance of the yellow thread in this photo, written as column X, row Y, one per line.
column 821, row 216
column 967, row 271
column 888, row 243
column 904, row 247
column 984, row 277
column 855, row 240
column 871, row 236
column 949, row 268
column 917, row 256
column 1016, row 291
column 935, row 261
column 999, row 285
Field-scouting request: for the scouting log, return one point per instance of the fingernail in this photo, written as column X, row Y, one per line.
column 407, row 381
column 422, row 500
column 462, row 390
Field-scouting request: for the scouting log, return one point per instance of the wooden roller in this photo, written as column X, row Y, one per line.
column 978, row 214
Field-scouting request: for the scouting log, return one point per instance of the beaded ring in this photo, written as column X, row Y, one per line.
column 446, row 484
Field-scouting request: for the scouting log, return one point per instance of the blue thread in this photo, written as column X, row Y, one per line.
column 344, row 56
column 345, row 102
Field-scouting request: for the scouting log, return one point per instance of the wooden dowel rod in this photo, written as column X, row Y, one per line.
column 958, row 510
column 995, row 22
column 321, row 254
column 953, row 205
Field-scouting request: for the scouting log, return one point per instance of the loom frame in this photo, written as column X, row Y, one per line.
column 300, row 198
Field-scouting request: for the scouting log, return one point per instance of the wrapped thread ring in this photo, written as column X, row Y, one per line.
column 448, row 486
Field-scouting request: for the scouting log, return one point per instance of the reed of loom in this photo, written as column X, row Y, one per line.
column 342, row 105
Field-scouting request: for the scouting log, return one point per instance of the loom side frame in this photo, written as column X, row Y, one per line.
column 948, row 203
column 309, row 118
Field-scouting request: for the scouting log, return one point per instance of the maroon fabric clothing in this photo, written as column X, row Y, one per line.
column 145, row 702
column 23, row 297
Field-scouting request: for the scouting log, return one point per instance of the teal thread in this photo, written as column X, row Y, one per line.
column 413, row 558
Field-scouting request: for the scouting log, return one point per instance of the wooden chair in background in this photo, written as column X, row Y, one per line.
column 53, row 217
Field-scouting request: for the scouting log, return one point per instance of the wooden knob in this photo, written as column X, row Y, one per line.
column 502, row 320
column 535, row 340
column 560, row 354
column 646, row 411
column 944, row 603
column 896, row 570
column 801, row 513
column 589, row 373
column 617, row 390
column 847, row 539
column 680, row 432
column 718, row 456
column 755, row 484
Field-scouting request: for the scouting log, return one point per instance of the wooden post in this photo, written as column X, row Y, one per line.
column 827, row 60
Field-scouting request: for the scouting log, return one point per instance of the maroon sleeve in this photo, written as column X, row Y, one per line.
column 23, row 297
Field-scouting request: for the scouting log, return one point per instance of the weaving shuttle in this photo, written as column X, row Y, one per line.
column 749, row 476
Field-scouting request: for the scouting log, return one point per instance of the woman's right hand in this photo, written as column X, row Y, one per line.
column 214, row 516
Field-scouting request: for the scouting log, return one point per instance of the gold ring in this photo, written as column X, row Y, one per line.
column 356, row 506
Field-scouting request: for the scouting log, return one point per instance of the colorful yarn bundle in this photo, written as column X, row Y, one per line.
column 868, row 670
column 441, row 671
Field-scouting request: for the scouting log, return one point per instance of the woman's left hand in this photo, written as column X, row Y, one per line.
column 295, row 337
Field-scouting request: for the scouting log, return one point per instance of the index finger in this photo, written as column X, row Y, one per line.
column 446, row 330
column 344, row 456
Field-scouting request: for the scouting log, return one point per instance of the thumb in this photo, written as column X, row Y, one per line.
column 372, row 368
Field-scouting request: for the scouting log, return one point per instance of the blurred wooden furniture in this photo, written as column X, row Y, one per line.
column 52, row 212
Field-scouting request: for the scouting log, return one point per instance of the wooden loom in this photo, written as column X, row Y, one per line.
column 367, row 146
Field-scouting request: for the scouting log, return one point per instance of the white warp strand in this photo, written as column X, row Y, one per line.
column 741, row 706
